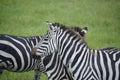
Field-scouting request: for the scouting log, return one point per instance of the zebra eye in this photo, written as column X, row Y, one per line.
column 54, row 30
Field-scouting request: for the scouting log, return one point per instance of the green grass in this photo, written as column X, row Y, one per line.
column 20, row 76
column 27, row 18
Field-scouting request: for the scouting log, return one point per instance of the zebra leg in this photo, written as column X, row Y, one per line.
column 37, row 75
column 1, row 70
column 37, row 72
column 38, row 68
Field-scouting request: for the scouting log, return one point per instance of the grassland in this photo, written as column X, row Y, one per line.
column 27, row 18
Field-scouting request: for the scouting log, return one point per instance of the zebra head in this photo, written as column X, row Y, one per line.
column 48, row 44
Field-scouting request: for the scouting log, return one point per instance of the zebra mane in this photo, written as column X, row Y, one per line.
column 78, row 30
column 70, row 29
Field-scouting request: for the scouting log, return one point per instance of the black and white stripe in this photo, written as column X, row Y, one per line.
column 16, row 52
column 81, row 61
column 16, row 55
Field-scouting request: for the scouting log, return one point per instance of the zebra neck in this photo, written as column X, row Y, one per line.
column 71, row 48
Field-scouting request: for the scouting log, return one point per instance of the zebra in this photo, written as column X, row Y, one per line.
column 82, row 62
column 16, row 55
column 79, row 31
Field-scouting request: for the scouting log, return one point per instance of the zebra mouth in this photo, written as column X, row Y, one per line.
column 36, row 56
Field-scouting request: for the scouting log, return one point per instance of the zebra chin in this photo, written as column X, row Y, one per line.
column 36, row 56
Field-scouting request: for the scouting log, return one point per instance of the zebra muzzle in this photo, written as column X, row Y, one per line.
column 36, row 56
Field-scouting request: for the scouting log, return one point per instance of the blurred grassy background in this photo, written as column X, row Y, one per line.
column 27, row 18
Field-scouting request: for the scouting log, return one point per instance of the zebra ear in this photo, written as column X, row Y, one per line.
column 51, row 27
column 84, row 31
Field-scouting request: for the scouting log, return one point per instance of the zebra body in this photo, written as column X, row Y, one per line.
column 82, row 62
column 16, row 52
column 16, row 55
column 55, row 68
